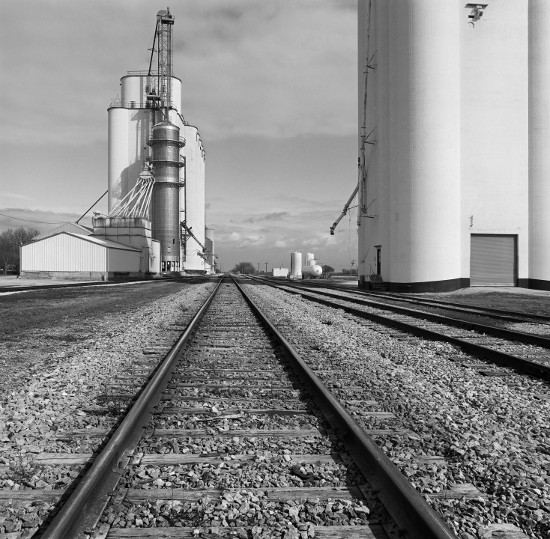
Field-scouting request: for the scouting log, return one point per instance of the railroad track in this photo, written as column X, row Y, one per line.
column 431, row 304
column 23, row 288
column 526, row 352
column 234, row 436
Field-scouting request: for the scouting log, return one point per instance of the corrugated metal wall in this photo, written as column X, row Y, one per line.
column 71, row 254
column 64, row 253
column 493, row 260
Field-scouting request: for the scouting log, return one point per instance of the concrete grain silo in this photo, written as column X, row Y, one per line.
column 453, row 139
column 192, row 200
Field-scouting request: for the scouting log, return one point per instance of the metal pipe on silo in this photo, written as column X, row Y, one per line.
column 539, row 142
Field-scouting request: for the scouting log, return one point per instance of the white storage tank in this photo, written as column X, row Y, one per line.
column 296, row 265
column 312, row 271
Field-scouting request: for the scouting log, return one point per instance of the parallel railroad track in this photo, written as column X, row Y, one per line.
column 225, row 442
column 431, row 304
column 526, row 352
column 22, row 288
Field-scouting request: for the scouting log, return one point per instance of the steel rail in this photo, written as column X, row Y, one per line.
column 405, row 505
column 529, row 338
column 84, row 506
column 513, row 316
column 42, row 287
column 451, row 305
column 500, row 358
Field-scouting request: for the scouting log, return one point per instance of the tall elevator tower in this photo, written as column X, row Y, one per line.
column 165, row 142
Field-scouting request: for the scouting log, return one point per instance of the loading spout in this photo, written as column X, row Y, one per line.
column 344, row 211
column 187, row 230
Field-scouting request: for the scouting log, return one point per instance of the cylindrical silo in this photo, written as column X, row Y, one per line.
column 165, row 209
column 310, row 259
column 295, row 265
column 117, row 153
column 539, row 144
column 424, row 142
column 192, row 198
column 133, row 92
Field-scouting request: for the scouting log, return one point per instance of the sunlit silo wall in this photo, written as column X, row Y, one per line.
column 192, row 199
column 451, row 157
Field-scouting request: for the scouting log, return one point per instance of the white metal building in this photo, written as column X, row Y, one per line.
column 454, row 144
column 130, row 125
column 75, row 256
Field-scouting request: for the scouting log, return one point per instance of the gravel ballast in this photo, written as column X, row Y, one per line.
column 490, row 431
column 71, row 376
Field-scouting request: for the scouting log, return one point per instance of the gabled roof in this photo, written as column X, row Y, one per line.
column 73, row 228
column 97, row 240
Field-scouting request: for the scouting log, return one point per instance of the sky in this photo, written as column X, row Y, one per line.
column 272, row 87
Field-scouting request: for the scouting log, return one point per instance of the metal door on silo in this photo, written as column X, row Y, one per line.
column 493, row 260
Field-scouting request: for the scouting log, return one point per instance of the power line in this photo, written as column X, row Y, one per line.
column 32, row 221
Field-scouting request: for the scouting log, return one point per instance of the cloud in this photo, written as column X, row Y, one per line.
column 304, row 228
column 273, row 216
column 271, row 69
column 284, row 69
column 38, row 219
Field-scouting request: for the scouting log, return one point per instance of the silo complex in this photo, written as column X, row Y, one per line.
column 147, row 127
column 443, row 203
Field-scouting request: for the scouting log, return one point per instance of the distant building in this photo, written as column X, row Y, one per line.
column 280, row 272
column 454, row 142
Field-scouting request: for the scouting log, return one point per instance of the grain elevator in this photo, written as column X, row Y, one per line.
column 147, row 131
column 156, row 188
column 454, row 134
